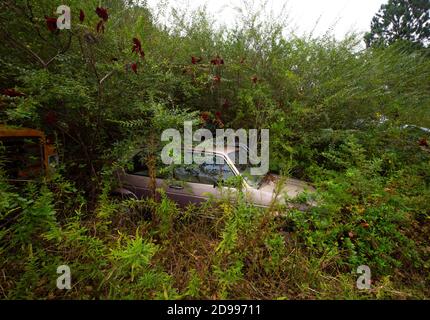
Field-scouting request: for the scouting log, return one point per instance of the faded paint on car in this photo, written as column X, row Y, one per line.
column 185, row 192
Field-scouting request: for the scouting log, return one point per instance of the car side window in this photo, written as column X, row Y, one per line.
column 215, row 171
column 139, row 168
column 206, row 173
column 24, row 157
column 187, row 173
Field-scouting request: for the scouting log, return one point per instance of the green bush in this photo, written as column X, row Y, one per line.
column 336, row 114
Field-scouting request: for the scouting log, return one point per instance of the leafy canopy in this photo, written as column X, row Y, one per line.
column 407, row 20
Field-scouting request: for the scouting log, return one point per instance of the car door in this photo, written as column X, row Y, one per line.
column 196, row 183
column 137, row 180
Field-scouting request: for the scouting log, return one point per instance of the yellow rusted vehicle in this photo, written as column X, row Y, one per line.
column 26, row 154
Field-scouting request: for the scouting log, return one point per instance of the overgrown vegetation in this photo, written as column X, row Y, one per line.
column 111, row 84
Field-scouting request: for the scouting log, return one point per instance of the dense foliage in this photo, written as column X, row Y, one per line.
column 118, row 77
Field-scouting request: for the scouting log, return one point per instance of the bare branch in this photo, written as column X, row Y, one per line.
column 106, row 76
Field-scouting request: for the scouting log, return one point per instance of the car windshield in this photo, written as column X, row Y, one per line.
column 245, row 169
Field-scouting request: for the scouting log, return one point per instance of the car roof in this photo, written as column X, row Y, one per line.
column 216, row 149
column 6, row 131
column 219, row 145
